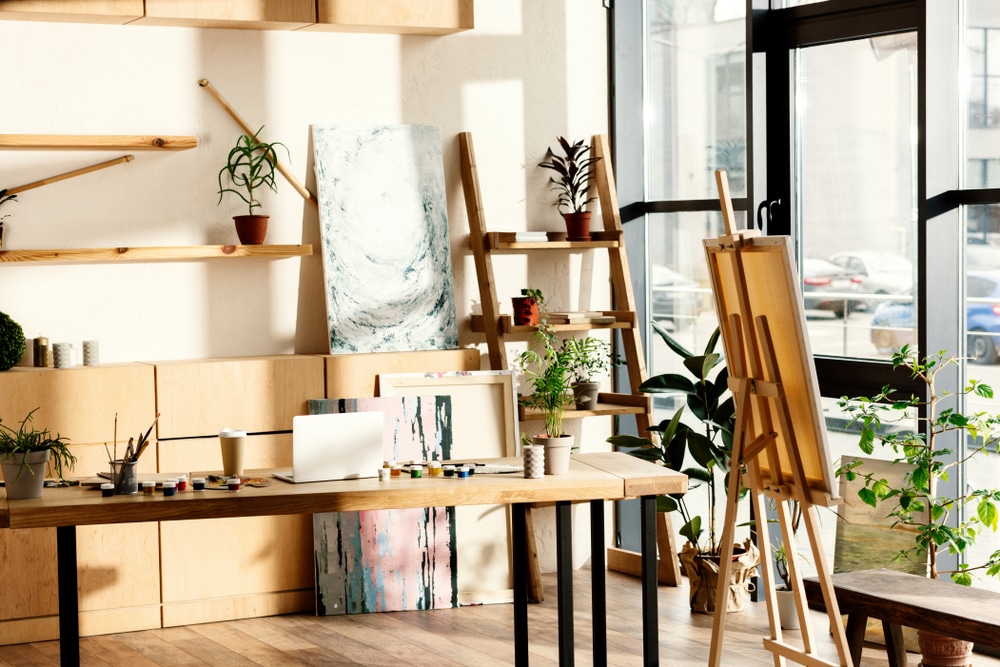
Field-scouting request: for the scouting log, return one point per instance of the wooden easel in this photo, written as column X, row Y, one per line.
column 780, row 436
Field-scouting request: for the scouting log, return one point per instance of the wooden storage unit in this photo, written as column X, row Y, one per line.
column 356, row 375
column 420, row 17
column 257, row 15
column 74, row 11
column 223, row 569
column 119, row 582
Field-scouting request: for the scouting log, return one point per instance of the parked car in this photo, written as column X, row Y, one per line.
column 879, row 272
column 675, row 297
column 982, row 257
column 826, row 286
column 893, row 321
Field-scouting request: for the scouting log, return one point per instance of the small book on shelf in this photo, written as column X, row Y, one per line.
column 583, row 317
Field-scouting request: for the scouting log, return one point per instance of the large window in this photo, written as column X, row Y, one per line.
column 874, row 146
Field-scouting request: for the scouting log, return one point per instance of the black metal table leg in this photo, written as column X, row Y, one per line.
column 598, row 583
column 650, row 612
column 69, row 603
column 564, row 578
column 519, row 549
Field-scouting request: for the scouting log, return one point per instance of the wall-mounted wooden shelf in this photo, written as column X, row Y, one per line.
column 97, row 142
column 154, row 253
column 624, row 319
column 608, row 405
column 556, row 241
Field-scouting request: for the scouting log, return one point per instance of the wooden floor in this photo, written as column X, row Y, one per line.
column 472, row 636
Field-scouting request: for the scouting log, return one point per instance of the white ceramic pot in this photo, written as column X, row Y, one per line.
column 557, row 451
column 787, row 613
column 22, row 484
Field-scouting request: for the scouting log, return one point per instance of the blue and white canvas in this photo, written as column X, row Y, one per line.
column 385, row 244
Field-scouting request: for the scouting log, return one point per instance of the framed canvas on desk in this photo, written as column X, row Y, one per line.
column 484, row 425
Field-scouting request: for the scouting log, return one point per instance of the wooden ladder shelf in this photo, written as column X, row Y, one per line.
column 497, row 328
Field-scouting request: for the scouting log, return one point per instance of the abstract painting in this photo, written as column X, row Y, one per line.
column 385, row 244
column 390, row 560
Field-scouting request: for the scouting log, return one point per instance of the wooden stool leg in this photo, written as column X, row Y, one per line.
column 856, row 636
column 894, row 644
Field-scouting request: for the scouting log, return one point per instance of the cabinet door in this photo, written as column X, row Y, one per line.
column 72, row 11
column 270, row 15
column 419, row 17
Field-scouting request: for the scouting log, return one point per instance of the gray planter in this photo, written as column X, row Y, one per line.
column 23, row 482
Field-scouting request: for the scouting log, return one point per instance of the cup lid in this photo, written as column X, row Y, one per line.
column 170, row 484
column 232, row 433
column 107, row 485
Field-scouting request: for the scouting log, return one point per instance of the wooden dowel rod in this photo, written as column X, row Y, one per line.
column 308, row 196
column 70, row 174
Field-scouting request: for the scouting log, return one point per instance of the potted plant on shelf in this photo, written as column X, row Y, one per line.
column 710, row 446
column 12, row 342
column 24, row 453
column 588, row 357
column 938, row 522
column 527, row 307
column 547, row 373
column 251, row 165
column 4, row 198
column 574, row 169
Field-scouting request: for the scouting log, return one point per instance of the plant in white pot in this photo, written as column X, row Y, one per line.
column 588, row 358
column 547, row 373
column 251, row 164
column 574, row 169
column 938, row 522
column 24, row 454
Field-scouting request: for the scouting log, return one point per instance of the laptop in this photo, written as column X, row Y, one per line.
column 334, row 447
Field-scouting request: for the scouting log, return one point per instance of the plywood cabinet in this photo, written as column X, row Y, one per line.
column 418, row 17
column 223, row 569
column 119, row 583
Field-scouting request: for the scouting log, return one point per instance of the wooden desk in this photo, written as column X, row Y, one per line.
column 593, row 477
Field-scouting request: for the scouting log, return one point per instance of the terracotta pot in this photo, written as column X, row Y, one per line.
column 577, row 226
column 942, row 651
column 585, row 394
column 525, row 310
column 21, row 483
column 251, row 228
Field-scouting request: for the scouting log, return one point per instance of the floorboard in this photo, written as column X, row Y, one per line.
column 479, row 636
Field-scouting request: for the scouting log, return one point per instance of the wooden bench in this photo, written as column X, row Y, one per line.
column 901, row 599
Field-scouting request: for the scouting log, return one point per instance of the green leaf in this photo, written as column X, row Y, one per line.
column 666, row 504
column 868, row 497
column 692, row 530
column 668, row 382
column 867, row 442
column 987, row 512
column 704, row 450
column 963, row 578
column 678, row 349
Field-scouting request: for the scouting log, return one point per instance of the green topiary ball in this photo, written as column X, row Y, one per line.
column 11, row 342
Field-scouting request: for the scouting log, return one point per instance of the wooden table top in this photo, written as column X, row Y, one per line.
column 606, row 476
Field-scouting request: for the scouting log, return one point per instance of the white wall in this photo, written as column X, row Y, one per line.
column 530, row 71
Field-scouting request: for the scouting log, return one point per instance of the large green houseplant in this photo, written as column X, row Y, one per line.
column 24, row 454
column 939, row 522
column 574, row 168
column 545, row 366
column 251, row 165
column 709, row 446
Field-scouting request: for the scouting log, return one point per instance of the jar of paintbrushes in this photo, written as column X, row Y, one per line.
column 125, row 470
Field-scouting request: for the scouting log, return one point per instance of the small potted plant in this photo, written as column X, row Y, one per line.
column 24, row 453
column 588, row 357
column 939, row 522
column 4, row 198
column 251, row 165
column 574, row 169
column 547, row 372
column 527, row 307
